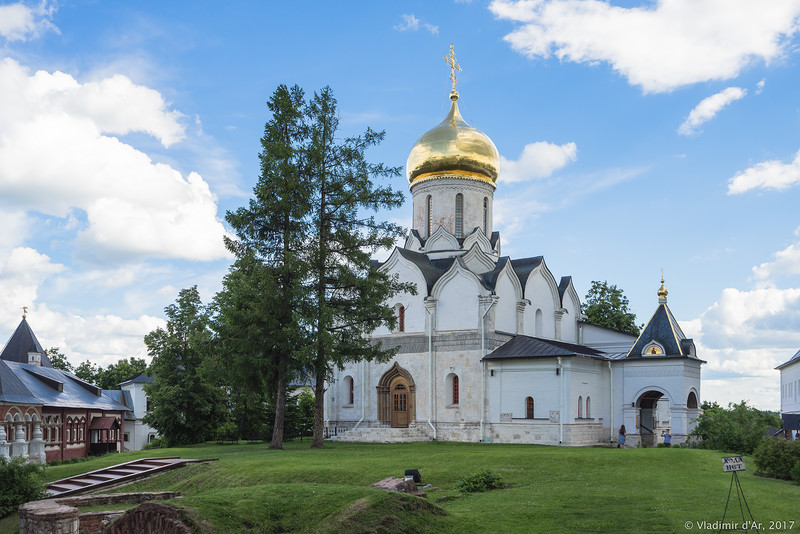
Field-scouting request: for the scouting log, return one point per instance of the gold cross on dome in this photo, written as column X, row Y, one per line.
column 451, row 60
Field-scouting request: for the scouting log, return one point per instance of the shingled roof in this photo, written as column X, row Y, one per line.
column 23, row 341
column 526, row 347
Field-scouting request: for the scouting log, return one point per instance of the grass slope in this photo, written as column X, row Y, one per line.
column 554, row 489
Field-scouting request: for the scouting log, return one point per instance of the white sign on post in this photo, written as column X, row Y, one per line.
column 733, row 463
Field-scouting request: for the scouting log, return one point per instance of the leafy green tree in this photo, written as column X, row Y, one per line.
column 116, row 373
column 606, row 305
column 186, row 405
column 264, row 290
column 88, row 372
column 58, row 359
column 349, row 296
column 738, row 428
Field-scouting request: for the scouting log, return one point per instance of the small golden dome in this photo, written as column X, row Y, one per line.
column 453, row 147
column 662, row 291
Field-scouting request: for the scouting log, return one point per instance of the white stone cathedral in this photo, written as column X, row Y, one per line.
column 496, row 349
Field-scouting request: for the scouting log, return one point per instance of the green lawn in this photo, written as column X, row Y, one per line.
column 553, row 489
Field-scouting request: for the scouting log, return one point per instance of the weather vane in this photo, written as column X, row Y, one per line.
column 24, row 312
column 451, row 60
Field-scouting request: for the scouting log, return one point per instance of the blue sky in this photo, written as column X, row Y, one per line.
column 635, row 137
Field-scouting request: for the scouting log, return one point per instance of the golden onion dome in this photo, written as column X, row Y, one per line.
column 662, row 291
column 453, row 147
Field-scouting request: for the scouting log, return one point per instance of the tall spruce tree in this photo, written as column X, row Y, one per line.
column 349, row 296
column 251, row 344
column 186, row 405
column 271, row 230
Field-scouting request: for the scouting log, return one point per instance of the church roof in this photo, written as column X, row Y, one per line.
column 23, row 341
column 141, row 378
column 12, row 389
column 525, row 347
column 525, row 266
column 54, row 387
column 664, row 330
column 793, row 359
column 563, row 286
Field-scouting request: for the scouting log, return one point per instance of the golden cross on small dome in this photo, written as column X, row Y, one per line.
column 451, row 60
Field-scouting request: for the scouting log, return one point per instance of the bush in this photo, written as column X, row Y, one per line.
column 795, row 472
column 21, row 482
column 777, row 457
column 483, row 480
column 739, row 428
column 157, row 443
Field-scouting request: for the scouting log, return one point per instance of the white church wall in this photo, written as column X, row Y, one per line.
column 506, row 307
column 539, row 291
column 457, row 302
column 414, row 304
column 569, row 320
column 605, row 339
column 790, row 388
column 443, row 193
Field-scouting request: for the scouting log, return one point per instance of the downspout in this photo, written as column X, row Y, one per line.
column 611, row 396
column 561, row 402
column 483, row 366
column 363, row 394
column 430, row 374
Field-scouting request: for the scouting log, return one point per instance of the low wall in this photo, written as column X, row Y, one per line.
column 61, row 515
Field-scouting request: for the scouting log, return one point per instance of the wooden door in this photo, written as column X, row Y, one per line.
column 399, row 402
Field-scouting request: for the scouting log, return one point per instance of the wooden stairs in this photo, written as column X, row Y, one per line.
column 114, row 475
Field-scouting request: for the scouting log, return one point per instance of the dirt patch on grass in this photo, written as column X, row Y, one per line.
column 386, row 513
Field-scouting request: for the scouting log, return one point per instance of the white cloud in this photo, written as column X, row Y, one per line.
column 22, row 271
column 771, row 174
column 18, row 22
column 660, row 46
column 538, row 160
column 786, row 262
column 134, row 206
column 708, row 108
column 101, row 339
column 412, row 23
column 743, row 337
column 13, row 229
column 760, row 87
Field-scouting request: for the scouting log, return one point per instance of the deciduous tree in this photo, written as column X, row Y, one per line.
column 58, row 359
column 185, row 404
column 606, row 305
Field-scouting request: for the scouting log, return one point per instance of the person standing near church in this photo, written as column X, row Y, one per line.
column 622, row 435
column 667, row 438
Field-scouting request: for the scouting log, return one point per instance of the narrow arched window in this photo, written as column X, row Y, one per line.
column 459, row 216
column 528, row 407
column 588, row 408
column 455, row 390
column 428, row 216
column 401, row 319
column 485, row 215
column 352, row 394
column 580, row 407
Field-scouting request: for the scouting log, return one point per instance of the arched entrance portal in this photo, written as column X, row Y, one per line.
column 397, row 398
column 654, row 416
